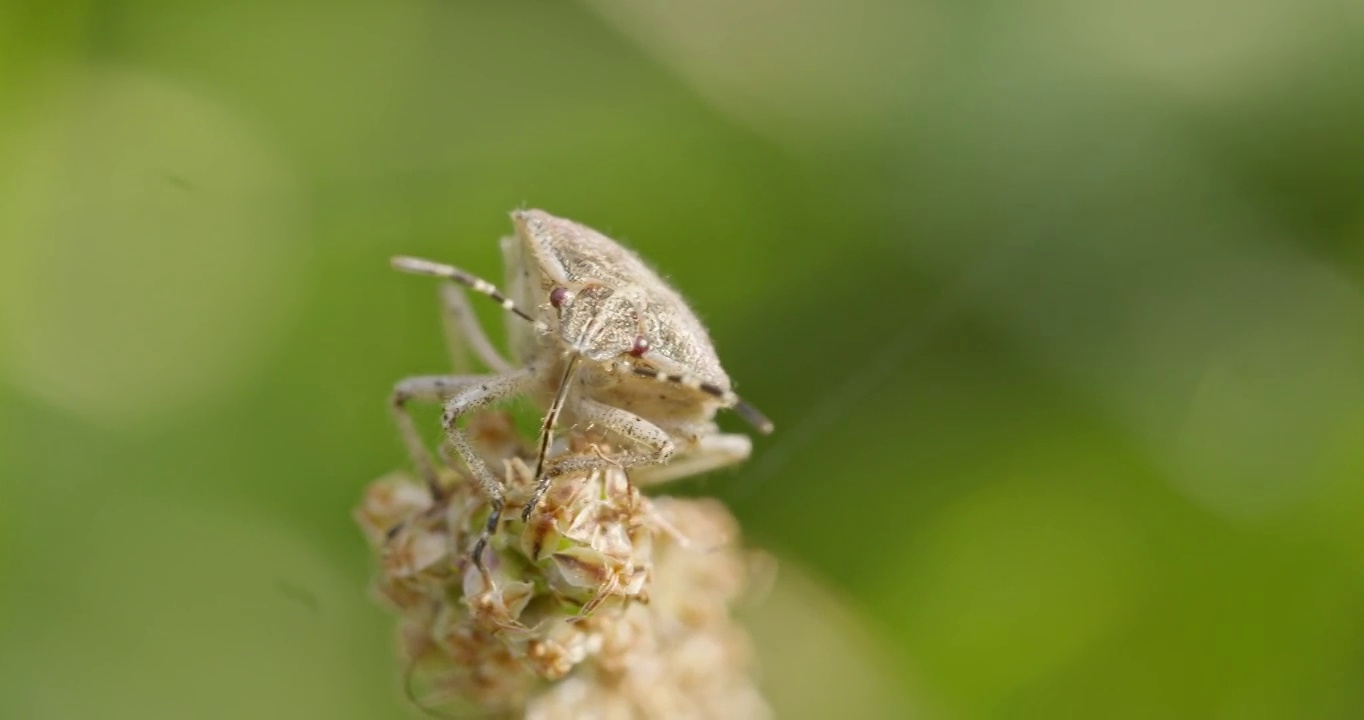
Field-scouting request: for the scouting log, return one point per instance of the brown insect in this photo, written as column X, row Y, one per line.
column 599, row 341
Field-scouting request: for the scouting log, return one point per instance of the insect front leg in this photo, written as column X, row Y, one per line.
column 462, row 323
column 426, row 388
column 485, row 391
column 657, row 446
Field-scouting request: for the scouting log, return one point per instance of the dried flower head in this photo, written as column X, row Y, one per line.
column 604, row 604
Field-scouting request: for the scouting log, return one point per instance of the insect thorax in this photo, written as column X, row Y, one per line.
column 627, row 297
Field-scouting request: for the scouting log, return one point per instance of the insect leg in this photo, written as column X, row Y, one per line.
column 428, row 388
column 487, row 390
column 658, row 446
column 711, row 452
column 461, row 322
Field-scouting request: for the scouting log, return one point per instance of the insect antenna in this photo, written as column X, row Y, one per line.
column 419, row 266
column 750, row 414
column 547, row 435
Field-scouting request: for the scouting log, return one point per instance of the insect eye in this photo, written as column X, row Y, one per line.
column 558, row 296
column 640, row 346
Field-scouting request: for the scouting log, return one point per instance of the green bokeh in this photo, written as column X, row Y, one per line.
column 1058, row 311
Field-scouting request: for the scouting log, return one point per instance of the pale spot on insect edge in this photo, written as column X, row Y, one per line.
column 125, row 298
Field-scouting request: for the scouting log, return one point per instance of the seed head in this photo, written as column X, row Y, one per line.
column 605, row 603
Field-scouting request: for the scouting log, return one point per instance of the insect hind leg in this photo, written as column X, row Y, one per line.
column 711, row 451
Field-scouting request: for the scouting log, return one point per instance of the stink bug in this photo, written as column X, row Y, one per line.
column 598, row 339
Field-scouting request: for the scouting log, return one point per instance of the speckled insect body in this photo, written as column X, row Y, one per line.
column 600, row 341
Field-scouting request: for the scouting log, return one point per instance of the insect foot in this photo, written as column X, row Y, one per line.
column 598, row 340
column 591, row 605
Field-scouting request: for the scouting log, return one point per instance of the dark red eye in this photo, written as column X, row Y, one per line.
column 640, row 346
column 558, row 296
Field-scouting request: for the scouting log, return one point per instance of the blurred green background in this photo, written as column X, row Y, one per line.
column 1056, row 305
